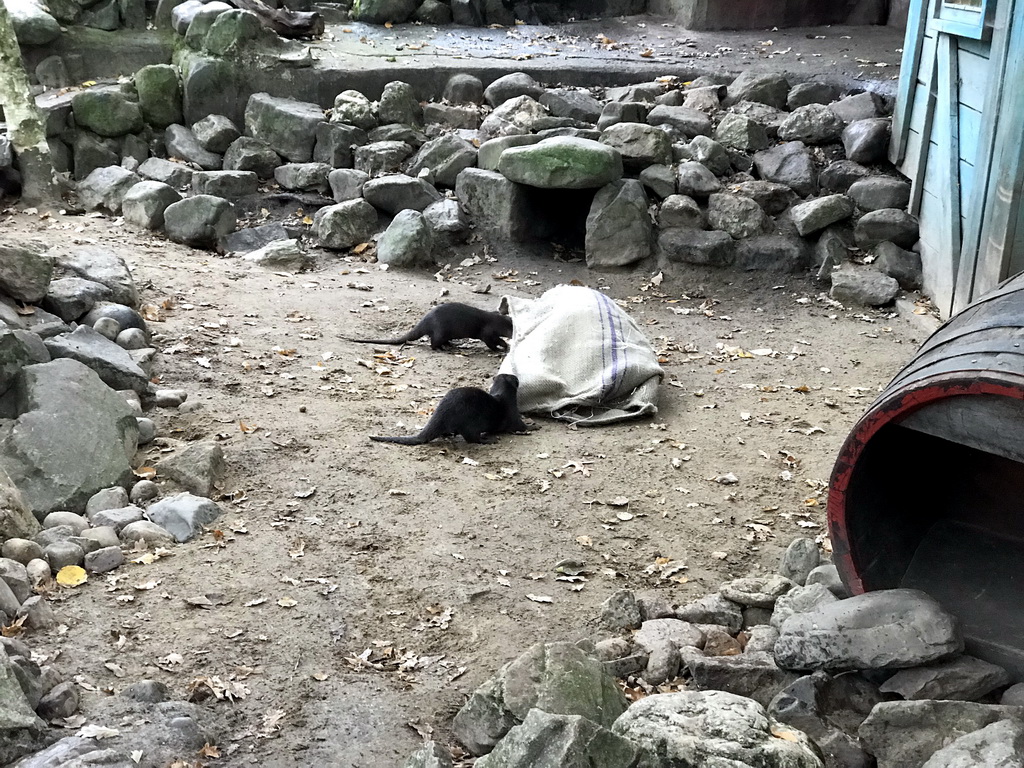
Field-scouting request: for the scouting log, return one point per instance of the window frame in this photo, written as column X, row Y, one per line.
column 955, row 19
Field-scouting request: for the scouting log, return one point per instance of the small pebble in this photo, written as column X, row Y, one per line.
column 147, row 430
column 37, row 613
column 39, row 573
column 143, row 491
column 132, row 338
column 190, row 407
column 103, row 536
column 77, row 522
column 22, row 550
column 103, row 560
column 169, row 398
column 108, row 327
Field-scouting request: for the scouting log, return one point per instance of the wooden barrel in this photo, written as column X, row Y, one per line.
column 928, row 489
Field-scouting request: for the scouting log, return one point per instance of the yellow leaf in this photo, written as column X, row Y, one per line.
column 388, row 25
column 209, row 750
column 784, row 735
column 307, row 220
column 71, row 576
column 145, row 472
column 360, row 248
column 89, row 83
column 647, row 53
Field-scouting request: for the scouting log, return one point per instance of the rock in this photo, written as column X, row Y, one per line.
column 448, row 225
column 484, row 719
column 159, row 94
column 690, row 246
column 713, row 609
column 769, row 117
column 770, row 89
column 105, row 188
column 864, row 287
column 676, row 633
column 116, row 518
column 772, row 253
column 712, row 728
column 463, row 88
column 514, row 116
column 281, row 255
column 57, row 533
column 739, row 216
column 60, row 702
column 800, row 558
column 147, row 691
column 199, row 221
column 15, row 576
column 1013, row 696
column 28, row 674
column 144, row 204
column 104, row 559
column 710, row 154
column 287, row 126
column 816, row 214
column 694, row 180
column 183, row 515
column 685, row 121
column 964, row 678
column 562, row 163
column 639, row 144
column 91, row 152
column 231, row 30
column 304, row 177
column 756, row 591
column 252, row 238
column 334, row 143
column 788, row 164
column 51, row 72
column 32, row 24
column 398, row 104
column 802, row 94
column 831, row 251
column 829, row 710
column 761, row 637
column 680, row 211
column 840, row 175
column 496, row 205
column 431, row 754
column 106, row 112
column 718, row 642
column 15, row 354
column 399, row 192
column 620, row 611
column 182, row 144
column 618, row 229
column 143, row 491
column 346, row 224
column 25, row 270
column 903, row 266
column 43, row 457
column 742, row 133
column 407, row 242
column 198, row 468
column 828, row 576
column 577, row 104
column 572, row 741
column 877, row 192
column 60, row 517
column 1000, row 745
column 908, row 733
column 801, row 600
column 511, row 86
column 353, row 108
column 622, row 112
column 894, row 629
column 249, row 154
column 115, row 497
column 169, row 398
column 660, row 180
column 381, row 156
column 812, row 124
column 380, row 11
column 860, row 106
column 887, row 224
column 452, row 115
column 229, row 185
column 173, row 175
column 102, row 535
column 753, row 675
column 9, row 602
column 215, row 133
column 143, row 530
column 22, row 550
column 15, row 712
column 113, row 364
column 347, row 184
column 773, row 198
column 867, row 141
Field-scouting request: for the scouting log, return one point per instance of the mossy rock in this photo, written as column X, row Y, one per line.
column 563, row 162
column 106, row 113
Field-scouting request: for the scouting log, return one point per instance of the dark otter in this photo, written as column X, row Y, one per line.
column 446, row 322
column 472, row 413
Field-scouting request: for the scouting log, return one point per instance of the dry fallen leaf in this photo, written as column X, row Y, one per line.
column 540, row 598
column 287, row 602
column 72, row 576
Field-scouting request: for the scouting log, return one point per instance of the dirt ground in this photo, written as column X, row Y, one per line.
column 359, row 591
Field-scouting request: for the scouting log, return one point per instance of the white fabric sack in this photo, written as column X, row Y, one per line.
column 580, row 358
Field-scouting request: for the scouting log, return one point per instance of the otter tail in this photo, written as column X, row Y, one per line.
column 403, row 440
column 412, row 335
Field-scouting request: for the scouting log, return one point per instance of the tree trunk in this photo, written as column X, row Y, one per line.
column 24, row 122
column 286, row 23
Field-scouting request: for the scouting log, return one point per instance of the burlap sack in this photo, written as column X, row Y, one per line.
column 580, row 358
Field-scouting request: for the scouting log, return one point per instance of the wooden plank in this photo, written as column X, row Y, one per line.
column 910, row 163
column 970, row 132
column 967, row 175
column 947, row 135
column 932, row 253
column 974, row 74
column 909, row 65
column 920, row 160
column 977, row 212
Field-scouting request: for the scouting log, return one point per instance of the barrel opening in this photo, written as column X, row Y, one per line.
column 939, row 501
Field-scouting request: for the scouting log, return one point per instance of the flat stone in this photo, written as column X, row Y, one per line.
column 1000, row 745
column 144, row 530
column 864, row 287
column 511, row 86
column 61, row 517
column 102, row 266
column 115, row 497
column 578, row 104
column 117, row 518
column 801, row 600
column 21, row 550
column 106, row 112
column 104, row 559
column 710, row 728
column 887, row 629
column 877, row 192
column 561, row 163
column 802, row 94
column 399, row 192
column 757, row 591
column 183, row 515
column 102, row 535
column 620, row 611
column 753, row 675
column 174, row 175
column 771, row 89
column 182, row 144
column 685, row 121
column 639, row 144
column 113, row 364
column 287, row 126
column 964, row 678
column 814, row 215
column 63, row 553
column 859, row 106
column 229, row 185
column 713, row 609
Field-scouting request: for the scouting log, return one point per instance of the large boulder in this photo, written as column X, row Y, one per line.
column 562, row 162
column 567, row 741
column 101, row 266
column 740, row 216
column 181, row 143
column 887, row 629
column 288, row 126
column 639, row 144
column 399, row 192
column 867, row 141
column 106, row 112
column 346, row 224
column 407, row 242
column 685, row 121
column 74, row 436
column 144, row 204
column 159, row 94
column 555, row 677
column 199, row 221
column 515, row 116
column 445, row 157
column 249, row 154
column 964, row 678
column 712, row 728
column 105, row 188
column 495, row 205
column 112, row 364
column 1000, row 745
column 381, row 11
column 398, row 102
column 886, row 224
column 812, row 124
column 25, row 270
column 32, row 24
column 788, row 164
column 770, row 89
column 619, row 229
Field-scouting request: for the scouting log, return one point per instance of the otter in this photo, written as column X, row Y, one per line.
column 446, row 322
column 476, row 415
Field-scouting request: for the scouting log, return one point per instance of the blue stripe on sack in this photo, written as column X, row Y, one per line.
column 617, row 371
column 604, row 362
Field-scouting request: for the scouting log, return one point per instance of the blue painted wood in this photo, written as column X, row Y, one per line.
column 975, row 71
column 916, row 19
column 970, row 132
column 984, row 188
column 947, row 136
column 913, row 164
